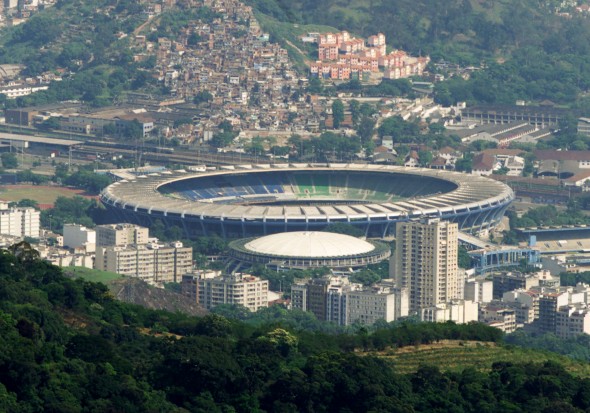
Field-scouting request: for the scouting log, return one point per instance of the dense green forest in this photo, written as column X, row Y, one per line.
column 67, row 346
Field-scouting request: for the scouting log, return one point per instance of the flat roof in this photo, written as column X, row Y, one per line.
column 39, row 139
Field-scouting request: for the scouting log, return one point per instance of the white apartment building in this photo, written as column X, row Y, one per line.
column 572, row 320
column 19, row 222
column 499, row 316
column 241, row 289
column 459, row 311
column 426, row 262
column 378, row 303
column 152, row 263
column 121, row 235
column 479, row 290
column 76, row 236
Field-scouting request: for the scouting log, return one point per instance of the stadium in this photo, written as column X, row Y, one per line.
column 251, row 200
column 307, row 249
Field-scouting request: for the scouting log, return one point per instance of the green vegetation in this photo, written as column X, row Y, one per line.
column 287, row 35
column 91, row 275
column 43, row 195
column 68, row 346
column 577, row 348
column 548, row 215
column 328, row 145
column 528, row 51
column 76, row 210
column 569, row 278
column 457, row 356
column 78, row 37
column 9, row 160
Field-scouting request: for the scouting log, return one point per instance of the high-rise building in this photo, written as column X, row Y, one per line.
column 426, row 262
column 211, row 290
column 120, row 235
column 19, row 222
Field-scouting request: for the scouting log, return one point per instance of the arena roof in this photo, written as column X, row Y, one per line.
column 309, row 244
column 472, row 193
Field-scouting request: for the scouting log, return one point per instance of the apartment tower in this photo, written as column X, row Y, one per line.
column 426, row 262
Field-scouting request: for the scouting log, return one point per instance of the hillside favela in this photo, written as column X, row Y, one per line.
column 294, row 206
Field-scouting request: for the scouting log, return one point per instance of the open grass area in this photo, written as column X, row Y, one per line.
column 458, row 355
column 92, row 275
column 40, row 193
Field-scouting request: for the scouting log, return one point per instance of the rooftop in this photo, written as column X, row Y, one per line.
column 309, row 244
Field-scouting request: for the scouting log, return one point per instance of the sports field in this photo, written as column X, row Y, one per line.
column 43, row 194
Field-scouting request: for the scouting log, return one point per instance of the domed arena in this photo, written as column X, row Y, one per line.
column 252, row 200
column 308, row 249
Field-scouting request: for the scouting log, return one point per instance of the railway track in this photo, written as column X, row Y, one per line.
column 187, row 157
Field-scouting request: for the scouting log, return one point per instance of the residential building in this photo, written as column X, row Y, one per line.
column 335, row 298
column 376, row 303
column 426, row 262
column 572, row 320
column 121, row 235
column 549, row 304
column 483, row 164
column 150, row 262
column 458, row 311
column 499, row 316
column 239, row 289
column 525, row 305
column 479, row 290
column 19, row 222
column 322, row 296
column 513, row 280
column 76, row 236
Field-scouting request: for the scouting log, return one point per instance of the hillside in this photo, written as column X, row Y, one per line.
column 529, row 51
column 86, row 42
column 138, row 292
column 456, row 356
column 67, row 346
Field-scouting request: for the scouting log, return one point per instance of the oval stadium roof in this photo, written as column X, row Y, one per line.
column 309, row 244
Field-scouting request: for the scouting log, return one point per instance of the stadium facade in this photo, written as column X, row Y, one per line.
column 252, row 200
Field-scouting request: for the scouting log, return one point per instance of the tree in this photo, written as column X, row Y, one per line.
column 27, row 203
column 465, row 164
column 463, row 258
column 365, row 129
column 50, row 124
column 133, row 130
column 425, row 158
column 355, row 106
column 337, row 112
column 203, row 96
column 9, row 160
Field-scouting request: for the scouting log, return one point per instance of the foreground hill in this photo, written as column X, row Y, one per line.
column 67, row 346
